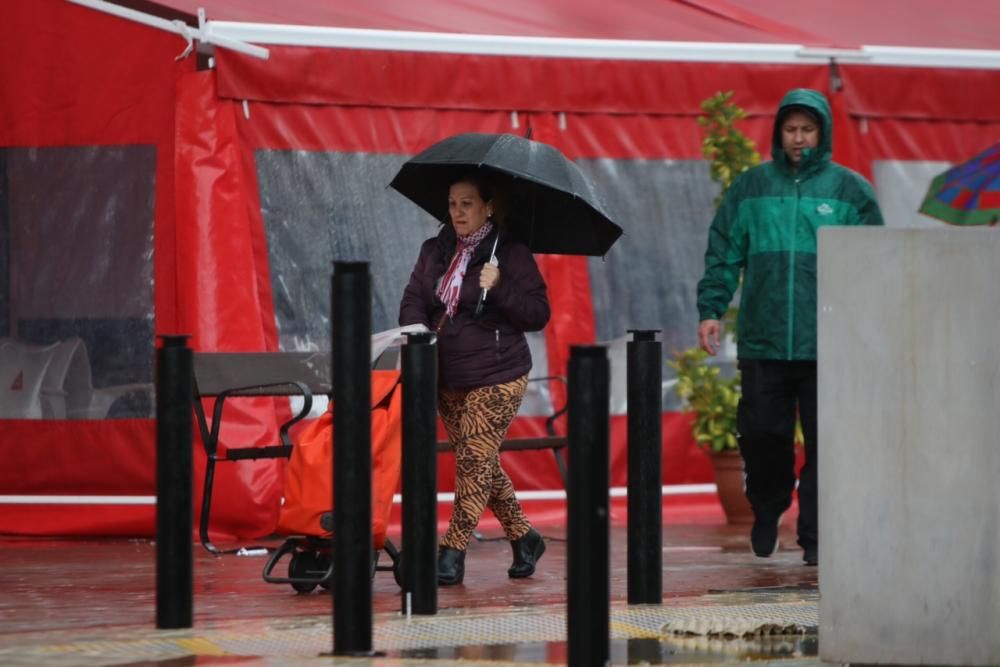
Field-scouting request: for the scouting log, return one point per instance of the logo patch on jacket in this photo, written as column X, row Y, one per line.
column 824, row 209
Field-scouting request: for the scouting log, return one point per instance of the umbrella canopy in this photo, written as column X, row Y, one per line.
column 968, row 193
column 553, row 207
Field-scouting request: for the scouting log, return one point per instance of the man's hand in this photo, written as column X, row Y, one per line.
column 708, row 335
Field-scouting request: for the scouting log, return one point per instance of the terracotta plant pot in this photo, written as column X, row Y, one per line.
column 728, row 466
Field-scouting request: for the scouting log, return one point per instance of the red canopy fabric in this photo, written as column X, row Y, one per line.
column 969, row 24
column 66, row 88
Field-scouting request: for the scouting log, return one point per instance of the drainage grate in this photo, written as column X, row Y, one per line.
column 759, row 620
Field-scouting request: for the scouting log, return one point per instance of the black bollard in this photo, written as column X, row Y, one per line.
column 174, row 513
column 587, row 550
column 352, row 458
column 645, row 460
column 419, row 594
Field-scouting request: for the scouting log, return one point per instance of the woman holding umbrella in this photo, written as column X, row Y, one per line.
column 483, row 359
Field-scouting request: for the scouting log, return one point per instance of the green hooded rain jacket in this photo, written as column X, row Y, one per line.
column 765, row 229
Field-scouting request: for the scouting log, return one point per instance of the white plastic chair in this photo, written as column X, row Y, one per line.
column 22, row 374
column 55, row 382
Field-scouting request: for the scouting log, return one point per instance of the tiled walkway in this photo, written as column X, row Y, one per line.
column 92, row 602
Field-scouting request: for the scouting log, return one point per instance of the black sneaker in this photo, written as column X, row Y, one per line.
column 810, row 555
column 764, row 537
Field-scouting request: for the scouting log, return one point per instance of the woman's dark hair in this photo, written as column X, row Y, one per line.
column 491, row 190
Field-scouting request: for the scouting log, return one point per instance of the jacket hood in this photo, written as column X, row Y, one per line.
column 816, row 102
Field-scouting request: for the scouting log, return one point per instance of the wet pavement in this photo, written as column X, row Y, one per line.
column 92, row 602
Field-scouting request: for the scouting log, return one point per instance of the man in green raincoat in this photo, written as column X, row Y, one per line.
column 765, row 233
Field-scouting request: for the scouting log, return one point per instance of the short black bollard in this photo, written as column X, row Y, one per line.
column 352, row 458
column 174, row 513
column 419, row 475
column 587, row 551
column 645, row 460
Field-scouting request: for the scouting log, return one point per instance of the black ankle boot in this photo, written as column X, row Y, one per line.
column 451, row 566
column 527, row 551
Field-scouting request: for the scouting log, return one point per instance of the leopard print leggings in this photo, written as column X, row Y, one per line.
column 476, row 422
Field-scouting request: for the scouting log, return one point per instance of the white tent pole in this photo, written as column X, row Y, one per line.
column 911, row 56
column 179, row 27
column 611, row 49
column 503, row 45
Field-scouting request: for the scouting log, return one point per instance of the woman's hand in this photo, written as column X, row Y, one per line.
column 490, row 276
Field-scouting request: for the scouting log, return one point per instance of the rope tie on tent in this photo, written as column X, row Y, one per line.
column 185, row 32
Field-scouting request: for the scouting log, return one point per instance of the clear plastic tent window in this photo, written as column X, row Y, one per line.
column 76, row 282
column 324, row 206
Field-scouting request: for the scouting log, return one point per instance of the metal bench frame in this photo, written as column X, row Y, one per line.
column 225, row 375
column 551, row 441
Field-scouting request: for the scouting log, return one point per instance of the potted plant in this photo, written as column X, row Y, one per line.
column 703, row 388
column 712, row 398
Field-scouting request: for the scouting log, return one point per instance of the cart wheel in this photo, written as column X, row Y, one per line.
column 324, row 565
column 303, row 564
column 375, row 555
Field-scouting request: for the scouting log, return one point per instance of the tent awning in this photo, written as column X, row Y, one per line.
column 959, row 24
column 909, row 33
column 602, row 49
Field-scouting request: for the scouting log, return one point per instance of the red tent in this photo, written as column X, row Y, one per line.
column 146, row 191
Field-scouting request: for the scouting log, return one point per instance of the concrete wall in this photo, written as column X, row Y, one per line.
column 909, row 453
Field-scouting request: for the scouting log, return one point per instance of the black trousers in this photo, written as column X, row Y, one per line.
column 773, row 392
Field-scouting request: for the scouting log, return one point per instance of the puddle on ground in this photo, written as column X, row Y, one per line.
column 665, row 651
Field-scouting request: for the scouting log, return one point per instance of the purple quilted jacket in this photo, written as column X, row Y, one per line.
column 491, row 349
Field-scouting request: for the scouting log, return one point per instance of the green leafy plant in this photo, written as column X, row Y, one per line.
column 712, row 399
column 729, row 150
column 702, row 389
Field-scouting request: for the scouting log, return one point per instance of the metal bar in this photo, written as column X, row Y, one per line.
column 352, row 467
column 605, row 49
column 174, row 513
column 419, row 594
column 587, row 553
column 553, row 494
column 178, row 27
column 645, row 460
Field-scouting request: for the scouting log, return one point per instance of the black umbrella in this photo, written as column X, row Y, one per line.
column 554, row 208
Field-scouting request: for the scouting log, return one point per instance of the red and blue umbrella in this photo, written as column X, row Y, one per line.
column 968, row 193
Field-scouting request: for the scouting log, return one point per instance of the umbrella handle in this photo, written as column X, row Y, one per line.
column 494, row 262
column 482, row 297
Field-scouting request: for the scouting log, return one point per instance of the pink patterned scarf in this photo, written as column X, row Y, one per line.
column 451, row 283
